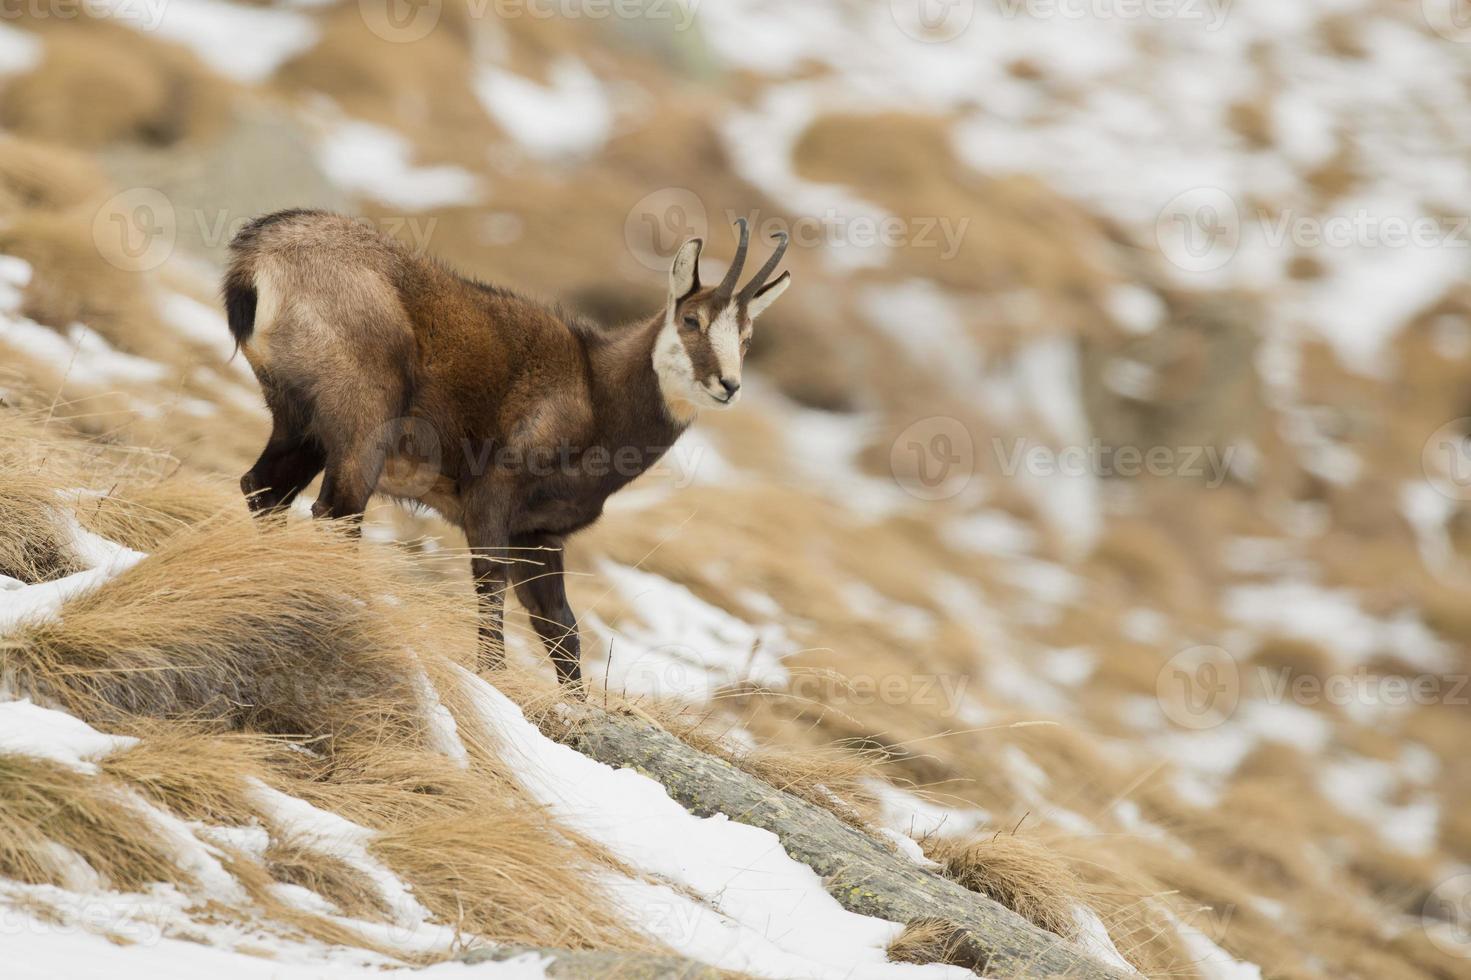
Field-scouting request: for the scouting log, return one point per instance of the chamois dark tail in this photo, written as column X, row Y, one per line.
column 240, row 300
column 239, row 286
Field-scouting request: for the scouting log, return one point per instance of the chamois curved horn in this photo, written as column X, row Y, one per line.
column 759, row 279
column 733, row 274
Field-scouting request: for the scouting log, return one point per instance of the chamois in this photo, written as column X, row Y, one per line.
column 512, row 419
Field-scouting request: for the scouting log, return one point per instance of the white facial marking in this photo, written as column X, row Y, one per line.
column 725, row 342
column 671, row 364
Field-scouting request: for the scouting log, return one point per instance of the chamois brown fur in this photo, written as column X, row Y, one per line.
column 513, row 419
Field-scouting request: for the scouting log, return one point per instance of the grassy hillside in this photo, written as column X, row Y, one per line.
column 1093, row 530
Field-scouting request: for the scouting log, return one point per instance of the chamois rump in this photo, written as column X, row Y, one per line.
column 394, row 374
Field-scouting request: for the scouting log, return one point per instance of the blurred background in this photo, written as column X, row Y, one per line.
column 1102, row 477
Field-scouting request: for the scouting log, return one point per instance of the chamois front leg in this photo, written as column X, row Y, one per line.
column 542, row 588
column 487, row 527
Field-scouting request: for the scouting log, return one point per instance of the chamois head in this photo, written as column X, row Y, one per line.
column 707, row 329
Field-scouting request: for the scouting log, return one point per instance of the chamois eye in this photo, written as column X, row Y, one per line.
column 691, row 323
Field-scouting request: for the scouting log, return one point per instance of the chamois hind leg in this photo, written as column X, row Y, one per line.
column 542, row 588
column 353, row 468
column 355, row 426
column 291, row 460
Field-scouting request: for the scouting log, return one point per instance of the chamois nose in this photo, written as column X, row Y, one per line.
column 731, row 386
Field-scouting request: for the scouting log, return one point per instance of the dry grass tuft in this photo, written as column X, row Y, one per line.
column 293, row 862
column 51, row 817
column 925, row 941
column 34, row 547
column 1021, row 873
column 1139, row 911
column 195, row 774
column 285, row 630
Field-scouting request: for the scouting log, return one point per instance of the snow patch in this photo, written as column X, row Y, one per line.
column 375, row 161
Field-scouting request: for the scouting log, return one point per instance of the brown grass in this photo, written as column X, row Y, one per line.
column 100, row 82
column 231, row 631
column 195, row 774
column 45, row 176
column 349, row 889
column 72, row 282
column 36, row 549
column 925, row 941
column 44, row 805
column 1019, row 872
column 1019, row 233
column 237, row 626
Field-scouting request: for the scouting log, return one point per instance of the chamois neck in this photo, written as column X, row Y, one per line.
column 631, row 398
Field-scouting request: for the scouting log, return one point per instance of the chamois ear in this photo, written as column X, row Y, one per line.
column 767, row 295
column 684, row 274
